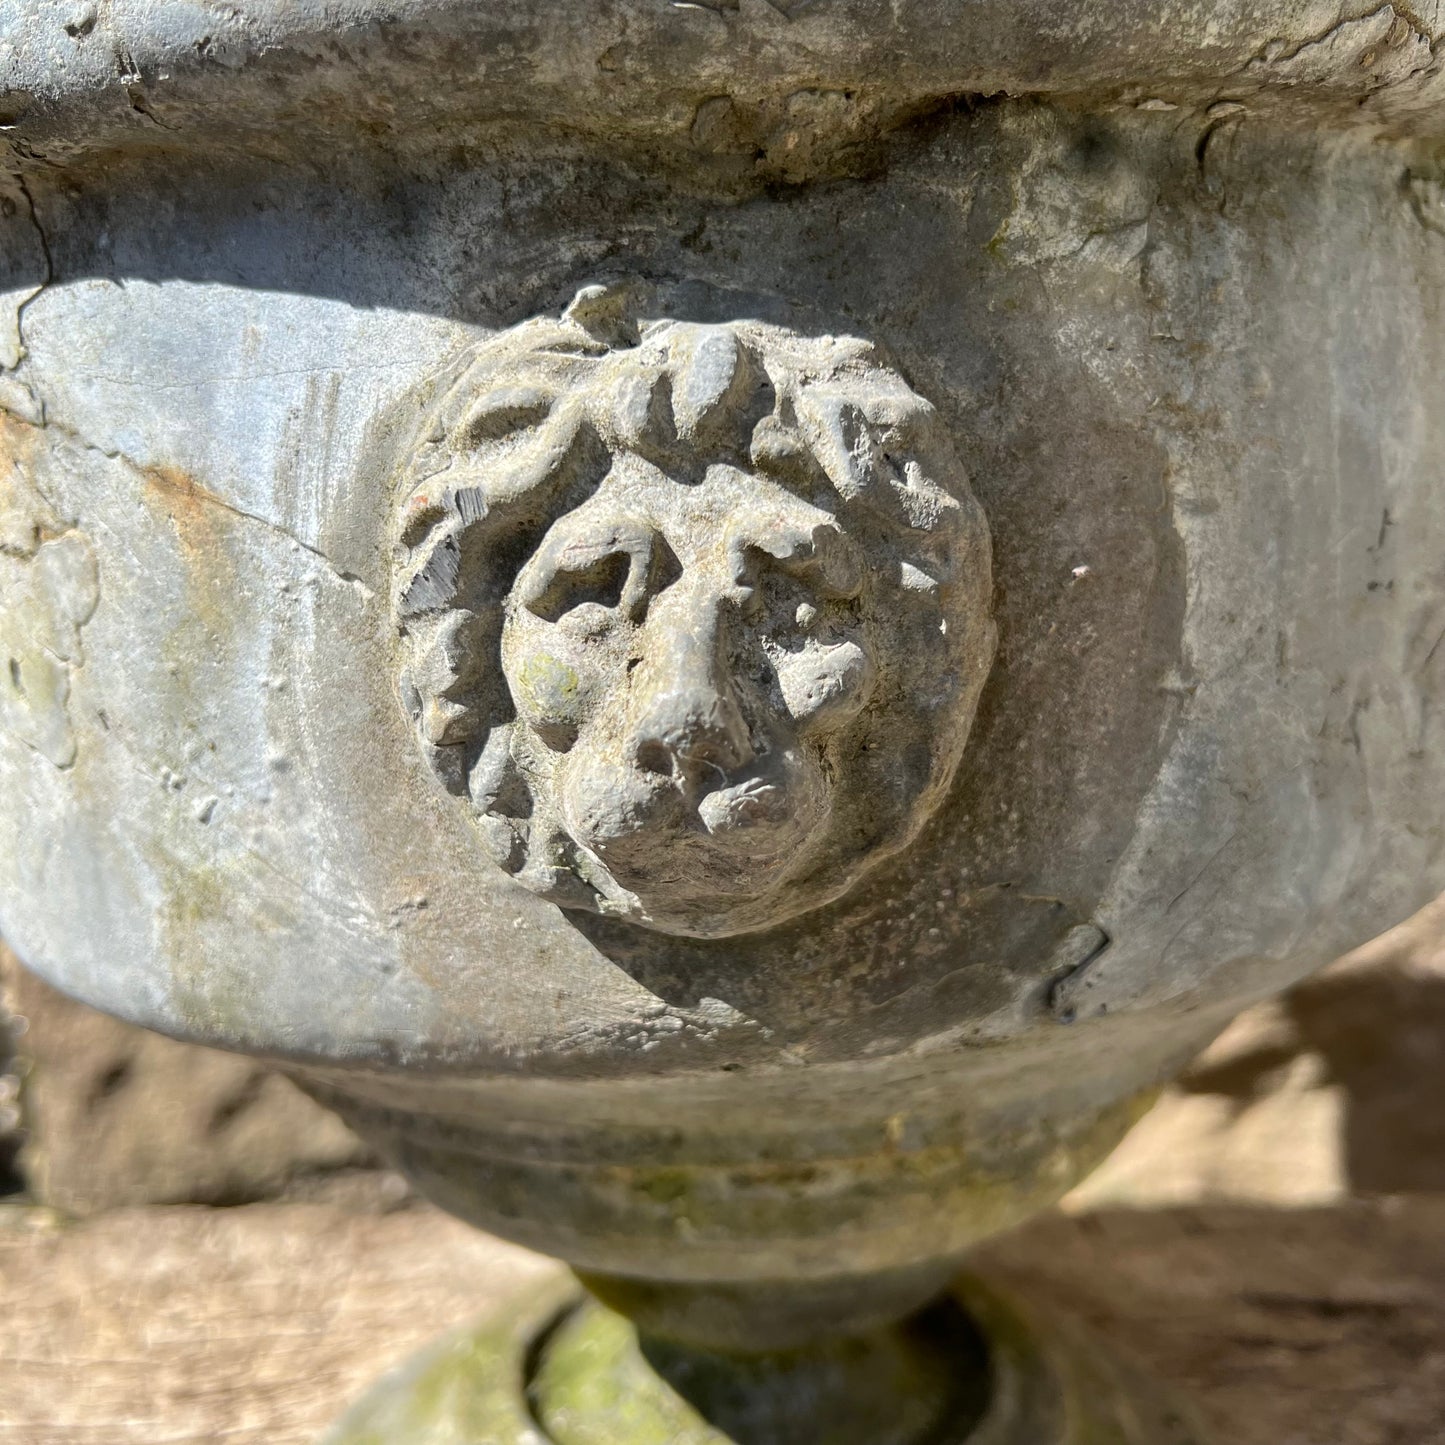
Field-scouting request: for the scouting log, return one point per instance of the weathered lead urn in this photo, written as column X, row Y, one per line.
column 732, row 626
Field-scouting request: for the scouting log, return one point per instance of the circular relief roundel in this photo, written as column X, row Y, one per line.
column 694, row 617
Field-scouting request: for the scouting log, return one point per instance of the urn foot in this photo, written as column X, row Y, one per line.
column 981, row 1366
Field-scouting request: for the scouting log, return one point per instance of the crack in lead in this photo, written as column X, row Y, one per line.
column 23, row 184
column 195, row 493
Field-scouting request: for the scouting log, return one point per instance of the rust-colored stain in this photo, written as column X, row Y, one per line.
column 19, row 441
column 194, row 509
column 201, row 519
column 202, row 522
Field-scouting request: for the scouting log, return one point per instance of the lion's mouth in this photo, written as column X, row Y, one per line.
column 736, row 839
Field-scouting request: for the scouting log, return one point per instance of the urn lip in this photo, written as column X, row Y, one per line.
column 284, row 77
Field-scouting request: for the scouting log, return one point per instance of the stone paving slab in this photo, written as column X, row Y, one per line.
column 253, row 1325
column 248, row 1326
column 1292, row 1327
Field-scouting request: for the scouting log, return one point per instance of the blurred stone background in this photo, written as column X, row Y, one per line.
column 1331, row 1091
column 192, row 1251
column 102, row 1115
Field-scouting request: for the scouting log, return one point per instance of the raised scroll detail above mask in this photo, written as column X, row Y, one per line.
column 695, row 616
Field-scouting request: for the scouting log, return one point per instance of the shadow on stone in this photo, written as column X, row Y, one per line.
column 1375, row 1025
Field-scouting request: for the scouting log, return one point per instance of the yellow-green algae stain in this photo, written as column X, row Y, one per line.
column 470, row 1389
column 545, row 680
column 803, row 1198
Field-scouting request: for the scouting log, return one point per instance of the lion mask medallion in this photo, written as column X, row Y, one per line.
column 695, row 616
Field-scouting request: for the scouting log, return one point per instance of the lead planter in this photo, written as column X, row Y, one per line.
column 732, row 627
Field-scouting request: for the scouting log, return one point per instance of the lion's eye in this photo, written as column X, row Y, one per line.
column 784, row 607
column 599, row 582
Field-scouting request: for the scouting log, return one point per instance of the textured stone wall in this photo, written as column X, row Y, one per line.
column 10, row 1133
column 103, row 1115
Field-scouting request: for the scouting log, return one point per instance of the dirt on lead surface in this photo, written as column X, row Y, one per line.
column 256, row 1325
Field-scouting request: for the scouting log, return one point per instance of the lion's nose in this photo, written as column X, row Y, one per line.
column 689, row 726
column 693, row 735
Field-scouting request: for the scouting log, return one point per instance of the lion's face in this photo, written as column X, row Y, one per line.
column 682, row 658
column 697, row 620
